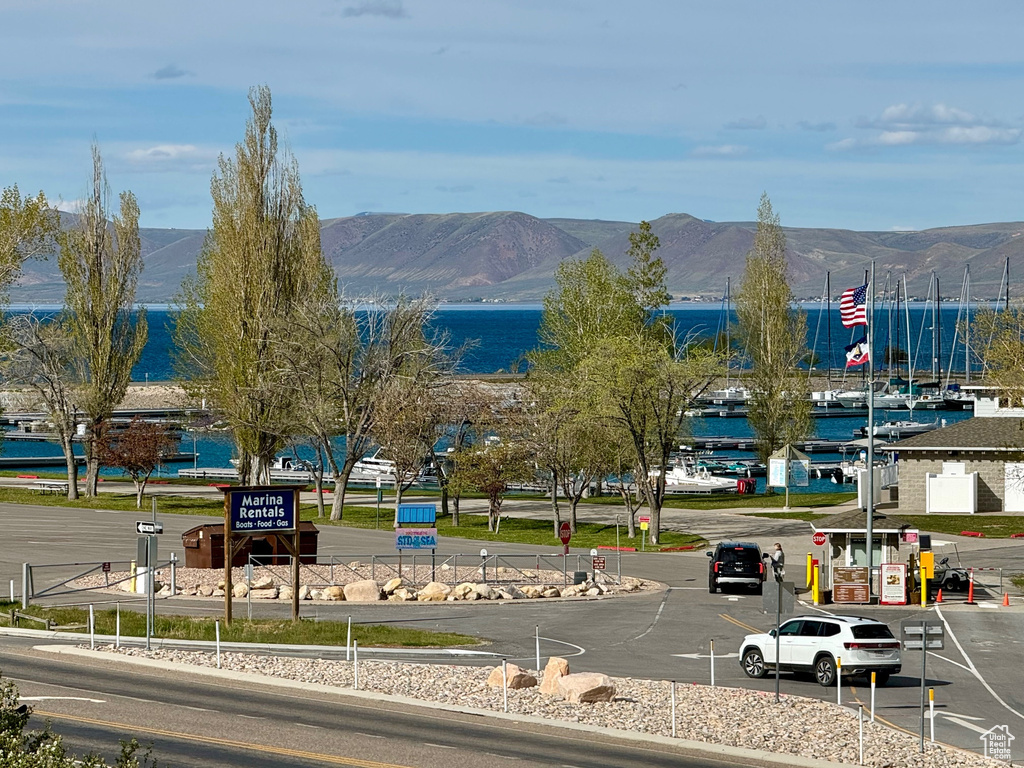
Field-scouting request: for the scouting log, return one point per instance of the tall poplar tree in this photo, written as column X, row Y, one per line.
column 774, row 334
column 261, row 256
column 101, row 262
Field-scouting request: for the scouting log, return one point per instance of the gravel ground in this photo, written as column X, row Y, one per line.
column 730, row 716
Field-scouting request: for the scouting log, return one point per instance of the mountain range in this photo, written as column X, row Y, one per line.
column 512, row 256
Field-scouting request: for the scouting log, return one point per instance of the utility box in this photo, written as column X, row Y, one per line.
column 270, row 549
column 204, row 547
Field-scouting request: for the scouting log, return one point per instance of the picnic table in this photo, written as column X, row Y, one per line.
column 51, row 486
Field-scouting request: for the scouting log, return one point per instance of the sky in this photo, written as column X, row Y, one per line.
column 860, row 115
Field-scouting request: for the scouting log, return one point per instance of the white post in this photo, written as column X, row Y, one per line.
column 712, row 663
column 24, row 584
column 348, row 639
column 174, row 575
column 673, row 709
column 872, row 697
column 216, row 629
column 839, row 681
column 117, row 628
column 860, row 722
column 92, row 628
column 931, row 710
column 12, row 590
column 537, row 638
column 355, row 664
column 504, row 683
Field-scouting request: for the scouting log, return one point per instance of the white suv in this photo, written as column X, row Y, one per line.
column 817, row 644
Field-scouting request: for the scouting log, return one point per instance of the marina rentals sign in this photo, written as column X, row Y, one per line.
column 262, row 510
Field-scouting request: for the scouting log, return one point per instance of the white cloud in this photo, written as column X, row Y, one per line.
column 70, row 206
column 391, row 9
column 180, row 155
column 934, row 124
column 720, row 150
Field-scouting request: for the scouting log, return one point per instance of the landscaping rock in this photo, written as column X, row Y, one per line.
column 392, row 585
column 284, row 592
column 484, row 591
column 218, row 592
column 366, row 591
column 551, row 592
column 586, row 688
column 554, row 671
column 269, row 593
column 304, row 592
column 434, row 591
column 263, row 582
column 240, row 590
column 332, row 593
column 403, row 595
column 516, row 675
column 462, row 591
column 205, row 590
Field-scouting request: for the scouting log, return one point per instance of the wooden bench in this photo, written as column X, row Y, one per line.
column 51, row 486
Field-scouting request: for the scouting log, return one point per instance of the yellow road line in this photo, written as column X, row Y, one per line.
column 738, row 623
column 333, row 759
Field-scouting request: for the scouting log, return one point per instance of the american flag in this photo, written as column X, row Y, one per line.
column 851, row 306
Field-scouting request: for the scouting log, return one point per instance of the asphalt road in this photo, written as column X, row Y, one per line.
column 978, row 679
column 196, row 722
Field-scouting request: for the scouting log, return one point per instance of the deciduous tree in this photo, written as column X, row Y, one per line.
column 261, row 257
column 101, row 262
column 774, row 335
column 137, row 449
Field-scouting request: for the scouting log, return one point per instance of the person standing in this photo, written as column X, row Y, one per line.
column 779, row 562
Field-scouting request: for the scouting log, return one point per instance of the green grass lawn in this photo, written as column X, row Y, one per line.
column 993, row 526
column 514, row 529
column 734, row 501
column 304, row 632
column 174, row 505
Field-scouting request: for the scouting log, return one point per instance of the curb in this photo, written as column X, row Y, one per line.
column 720, row 750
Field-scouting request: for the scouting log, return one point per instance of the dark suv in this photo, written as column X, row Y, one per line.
column 736, row 562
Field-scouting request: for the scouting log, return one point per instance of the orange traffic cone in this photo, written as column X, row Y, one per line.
column 1006, row 599
column 970, row 592
column 938, row 597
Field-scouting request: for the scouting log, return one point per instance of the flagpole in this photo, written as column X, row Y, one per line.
column 870, row 501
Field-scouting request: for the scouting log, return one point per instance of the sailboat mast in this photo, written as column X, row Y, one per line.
column 869, row 505
column 967, row 324
column 728, row 340
column 828, row 314
column 1006, row 272
column 910, row 365
column 938, row 330
column 897, row 356
column 933, row 328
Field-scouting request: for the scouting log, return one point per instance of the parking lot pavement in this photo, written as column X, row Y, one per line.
column 665, row 634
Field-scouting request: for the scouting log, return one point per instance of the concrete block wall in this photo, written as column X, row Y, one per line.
column 915, row 467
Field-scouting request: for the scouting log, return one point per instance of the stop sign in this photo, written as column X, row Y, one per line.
column 819, row 539
column 564, row 533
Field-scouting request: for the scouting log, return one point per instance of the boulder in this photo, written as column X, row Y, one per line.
column 551, row 592
column 218, row 592
column 484, row 592
column 205, row 590
column 392, row 585
column 240, row 590
column 332, row 593
column 304, row 592
column 592, row 592
column 165, row 591
column 434, row 591
column 462, row 591
column 221, row 584
column 586, row 687
column 316, row 594
column 403, row 595
column 555, row 670
column 517, row 677
column 284, row 592
column 263, row 582
column 270, row 593
column 366, row 591
column 572, row 590
column 531, row 591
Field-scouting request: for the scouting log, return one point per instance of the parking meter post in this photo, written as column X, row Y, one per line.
column 872, row 697
column 931, row 711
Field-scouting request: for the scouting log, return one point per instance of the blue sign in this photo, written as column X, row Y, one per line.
column 416, row 538
column 417, row 514
column 262, row 510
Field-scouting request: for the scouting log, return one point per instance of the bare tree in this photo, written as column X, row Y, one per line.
column 41, row 360
column 261, row 257
column 138, row 449
column 101, row 264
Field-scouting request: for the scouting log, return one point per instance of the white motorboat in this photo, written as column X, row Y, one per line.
column 685, row 478
column 854, row 398
column 897, row 430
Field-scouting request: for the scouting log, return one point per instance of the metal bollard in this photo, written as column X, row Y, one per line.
column 348, row 639
column 117, row 628
column 24, row 584
column 931, row 710
column 174, row 574
column 537, row 639
column 872, row 697
column 712, row 663
column 92, row 628
column 216, row 629
column 839, row 680
column 355, row 664
column 860, row 723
